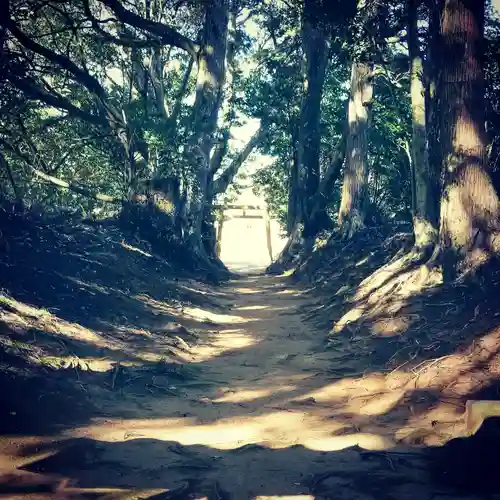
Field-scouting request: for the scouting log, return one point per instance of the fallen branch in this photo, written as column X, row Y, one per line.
column 75, row 187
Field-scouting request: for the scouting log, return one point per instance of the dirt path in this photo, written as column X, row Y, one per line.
column 270, row 414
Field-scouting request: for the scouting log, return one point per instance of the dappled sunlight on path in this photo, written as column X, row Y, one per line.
column 270, row 414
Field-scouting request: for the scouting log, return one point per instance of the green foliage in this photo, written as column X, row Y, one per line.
column 36, row 136
column 389, row 148
column 278, row 83
column 268, row 84
column 272, row 183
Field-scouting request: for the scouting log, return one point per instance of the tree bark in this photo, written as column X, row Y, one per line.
column 469, row 202
column 209, row 85
column 224, row 132
column 220, row 224
column 299, row 243
column 294, row 192
column 425, row 224
column 227, row 109
column 324, row 194
column 172, row 119
column 157, row 79
column 354, row 189
column 227, row 105
column 315, row 46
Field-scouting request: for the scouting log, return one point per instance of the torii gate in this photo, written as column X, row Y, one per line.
column 256, row 212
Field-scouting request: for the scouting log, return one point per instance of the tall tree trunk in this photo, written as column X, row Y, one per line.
column 354, row 189
column 227, row 105
column 425, row 225
column 15, row 190
column 294, row 194
column 315, row 46
column 330, row 177
column 157, row 79
column 209, row 84
column 221, row 147
column 469, row 202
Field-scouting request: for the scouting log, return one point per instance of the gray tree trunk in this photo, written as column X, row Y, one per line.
column 294, row 195
column 209, row 85
column 315, row 46
column 424, row 200
column 354, row 189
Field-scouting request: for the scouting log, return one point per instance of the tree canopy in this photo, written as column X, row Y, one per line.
column 112, row 108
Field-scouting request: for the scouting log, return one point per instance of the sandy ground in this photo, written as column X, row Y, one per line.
column 270, row 414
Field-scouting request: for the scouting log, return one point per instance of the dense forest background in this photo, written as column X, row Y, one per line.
column 374, row 115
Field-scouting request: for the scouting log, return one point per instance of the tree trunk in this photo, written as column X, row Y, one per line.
column 227, row 105
column 325, row 189
column 157, row 79
column 220, row 224
column 469, row 202
column 269, row 241
column 15, row 190
column 424, row 202
column 209, row 84
column 315, row 46
column 299, row 243
column 354, row 188
column 221, row 184
column 294, row 195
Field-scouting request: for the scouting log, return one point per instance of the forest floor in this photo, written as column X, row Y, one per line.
column 122, row 379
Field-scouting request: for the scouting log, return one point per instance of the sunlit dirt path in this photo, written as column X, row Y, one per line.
column 269, row 414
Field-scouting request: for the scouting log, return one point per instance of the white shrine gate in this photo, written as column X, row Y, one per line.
column 230, row 211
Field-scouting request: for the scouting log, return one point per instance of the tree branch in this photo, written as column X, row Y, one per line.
column 64, row 62
column 219, row 153
column 333, row 170
column 32, row 145
column 123, row 41
column 84, row 191
column 55, row 100
column 62, row 159
column 221, row 183
column 81, row 76
column 182, row 91
column 156, row 78
column 165, row 33
column 75, row 187
column 15, row 150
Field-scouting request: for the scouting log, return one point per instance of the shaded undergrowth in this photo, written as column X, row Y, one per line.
column 386, row 314
column 87, row 305
column 113, row 318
